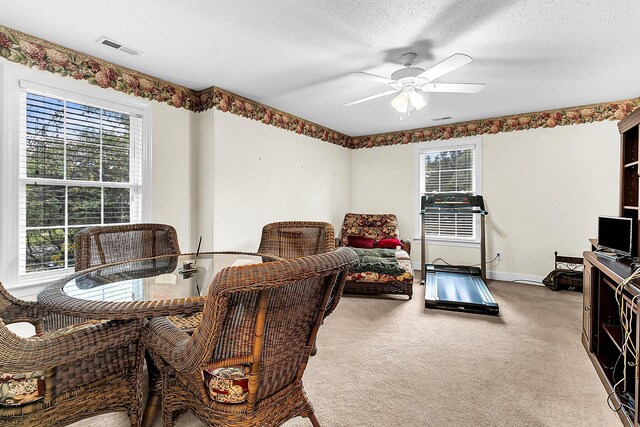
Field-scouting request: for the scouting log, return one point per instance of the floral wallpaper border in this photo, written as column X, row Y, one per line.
column 226, row 101
column 616, row 110
column 34, row 52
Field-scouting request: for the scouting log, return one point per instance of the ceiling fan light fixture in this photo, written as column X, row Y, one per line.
column 417, row 100
column 408, row 100
column 401, row 103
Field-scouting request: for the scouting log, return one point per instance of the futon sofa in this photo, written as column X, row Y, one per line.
column 376, row 236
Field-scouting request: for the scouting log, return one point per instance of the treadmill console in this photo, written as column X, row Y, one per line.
column 453, row 201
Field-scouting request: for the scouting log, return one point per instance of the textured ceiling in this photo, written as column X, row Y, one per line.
column 296, row 55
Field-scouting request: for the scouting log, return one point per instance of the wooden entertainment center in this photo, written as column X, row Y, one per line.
column 602, row 334
column 612, row 347
column 629, row 131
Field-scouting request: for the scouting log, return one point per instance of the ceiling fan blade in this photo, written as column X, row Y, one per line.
column 369, row 98
column 453, row 62
column 453, row 87
column 373, row 77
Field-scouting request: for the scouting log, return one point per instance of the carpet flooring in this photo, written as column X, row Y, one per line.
column 389, row 362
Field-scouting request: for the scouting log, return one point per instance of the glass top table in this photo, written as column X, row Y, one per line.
column 151, row 287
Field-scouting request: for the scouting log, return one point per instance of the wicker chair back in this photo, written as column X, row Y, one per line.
column 107, row 244
column 293, row 239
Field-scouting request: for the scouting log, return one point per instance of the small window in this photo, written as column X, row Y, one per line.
column 451, row 168
column 80, row 164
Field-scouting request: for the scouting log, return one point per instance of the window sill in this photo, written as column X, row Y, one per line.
column 448, row 242
column 42, row 278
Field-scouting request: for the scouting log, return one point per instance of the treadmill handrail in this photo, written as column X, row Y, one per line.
column 454, row 210
column 475, row 207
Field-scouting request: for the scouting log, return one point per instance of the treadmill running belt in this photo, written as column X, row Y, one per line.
column 457, row 287
column 458, row 291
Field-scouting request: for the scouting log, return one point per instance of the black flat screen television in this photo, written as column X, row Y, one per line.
column 615, row 234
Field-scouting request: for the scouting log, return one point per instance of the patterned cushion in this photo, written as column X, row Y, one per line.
column 388, row 243
column 375, row 226
column 227, row 385
column 370, row 277
column 26, row 387
column 20, row 389
column 360, row 242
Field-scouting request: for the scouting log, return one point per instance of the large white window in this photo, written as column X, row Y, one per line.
column 75, row 159
column 80, row 165
column 450, row 168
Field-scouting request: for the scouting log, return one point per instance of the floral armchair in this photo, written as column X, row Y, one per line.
column 377, row 228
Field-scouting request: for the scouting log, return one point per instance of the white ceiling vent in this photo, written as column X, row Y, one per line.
column 115, row 45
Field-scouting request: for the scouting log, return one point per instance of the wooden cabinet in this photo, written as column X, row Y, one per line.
column 587, row 317
column 629, row 139
column 604, row 332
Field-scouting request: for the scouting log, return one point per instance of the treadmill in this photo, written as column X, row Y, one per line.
column 456, row 287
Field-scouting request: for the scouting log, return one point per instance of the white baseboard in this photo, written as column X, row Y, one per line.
column 504, row 276
column 511, row 277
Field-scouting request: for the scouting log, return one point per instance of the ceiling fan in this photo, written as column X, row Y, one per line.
column 407, row 81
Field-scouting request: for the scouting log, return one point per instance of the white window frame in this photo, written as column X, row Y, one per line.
column 13, row 79
column 453, row 144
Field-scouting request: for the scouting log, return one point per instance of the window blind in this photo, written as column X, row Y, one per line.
column 450, row 170
column 80, row 165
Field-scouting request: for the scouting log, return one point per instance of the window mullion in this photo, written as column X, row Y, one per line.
column 66, row 225
column 50, row 181
column 64, row 141
column 66, row 187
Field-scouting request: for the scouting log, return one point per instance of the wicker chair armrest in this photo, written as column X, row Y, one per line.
column 16, row 310
column 24, row 311
column 48, row 351
column 164, row 339
column 406, row 245
column 336, row 294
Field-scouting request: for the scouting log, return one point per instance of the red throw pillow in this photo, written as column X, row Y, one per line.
column 361, row 242
column 388, row 243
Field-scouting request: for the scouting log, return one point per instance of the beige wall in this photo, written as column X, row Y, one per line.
column 202, row 185
column 263, row 174
column 544, row 190
column 171, row 169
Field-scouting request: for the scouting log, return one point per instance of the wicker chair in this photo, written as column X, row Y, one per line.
column 65, row 375
column 293, row 239
column 378, row 226
column 101, row 245
column 261, row 318
column 115, row 243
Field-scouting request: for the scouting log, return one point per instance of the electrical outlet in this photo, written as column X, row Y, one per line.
column 498, row 255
